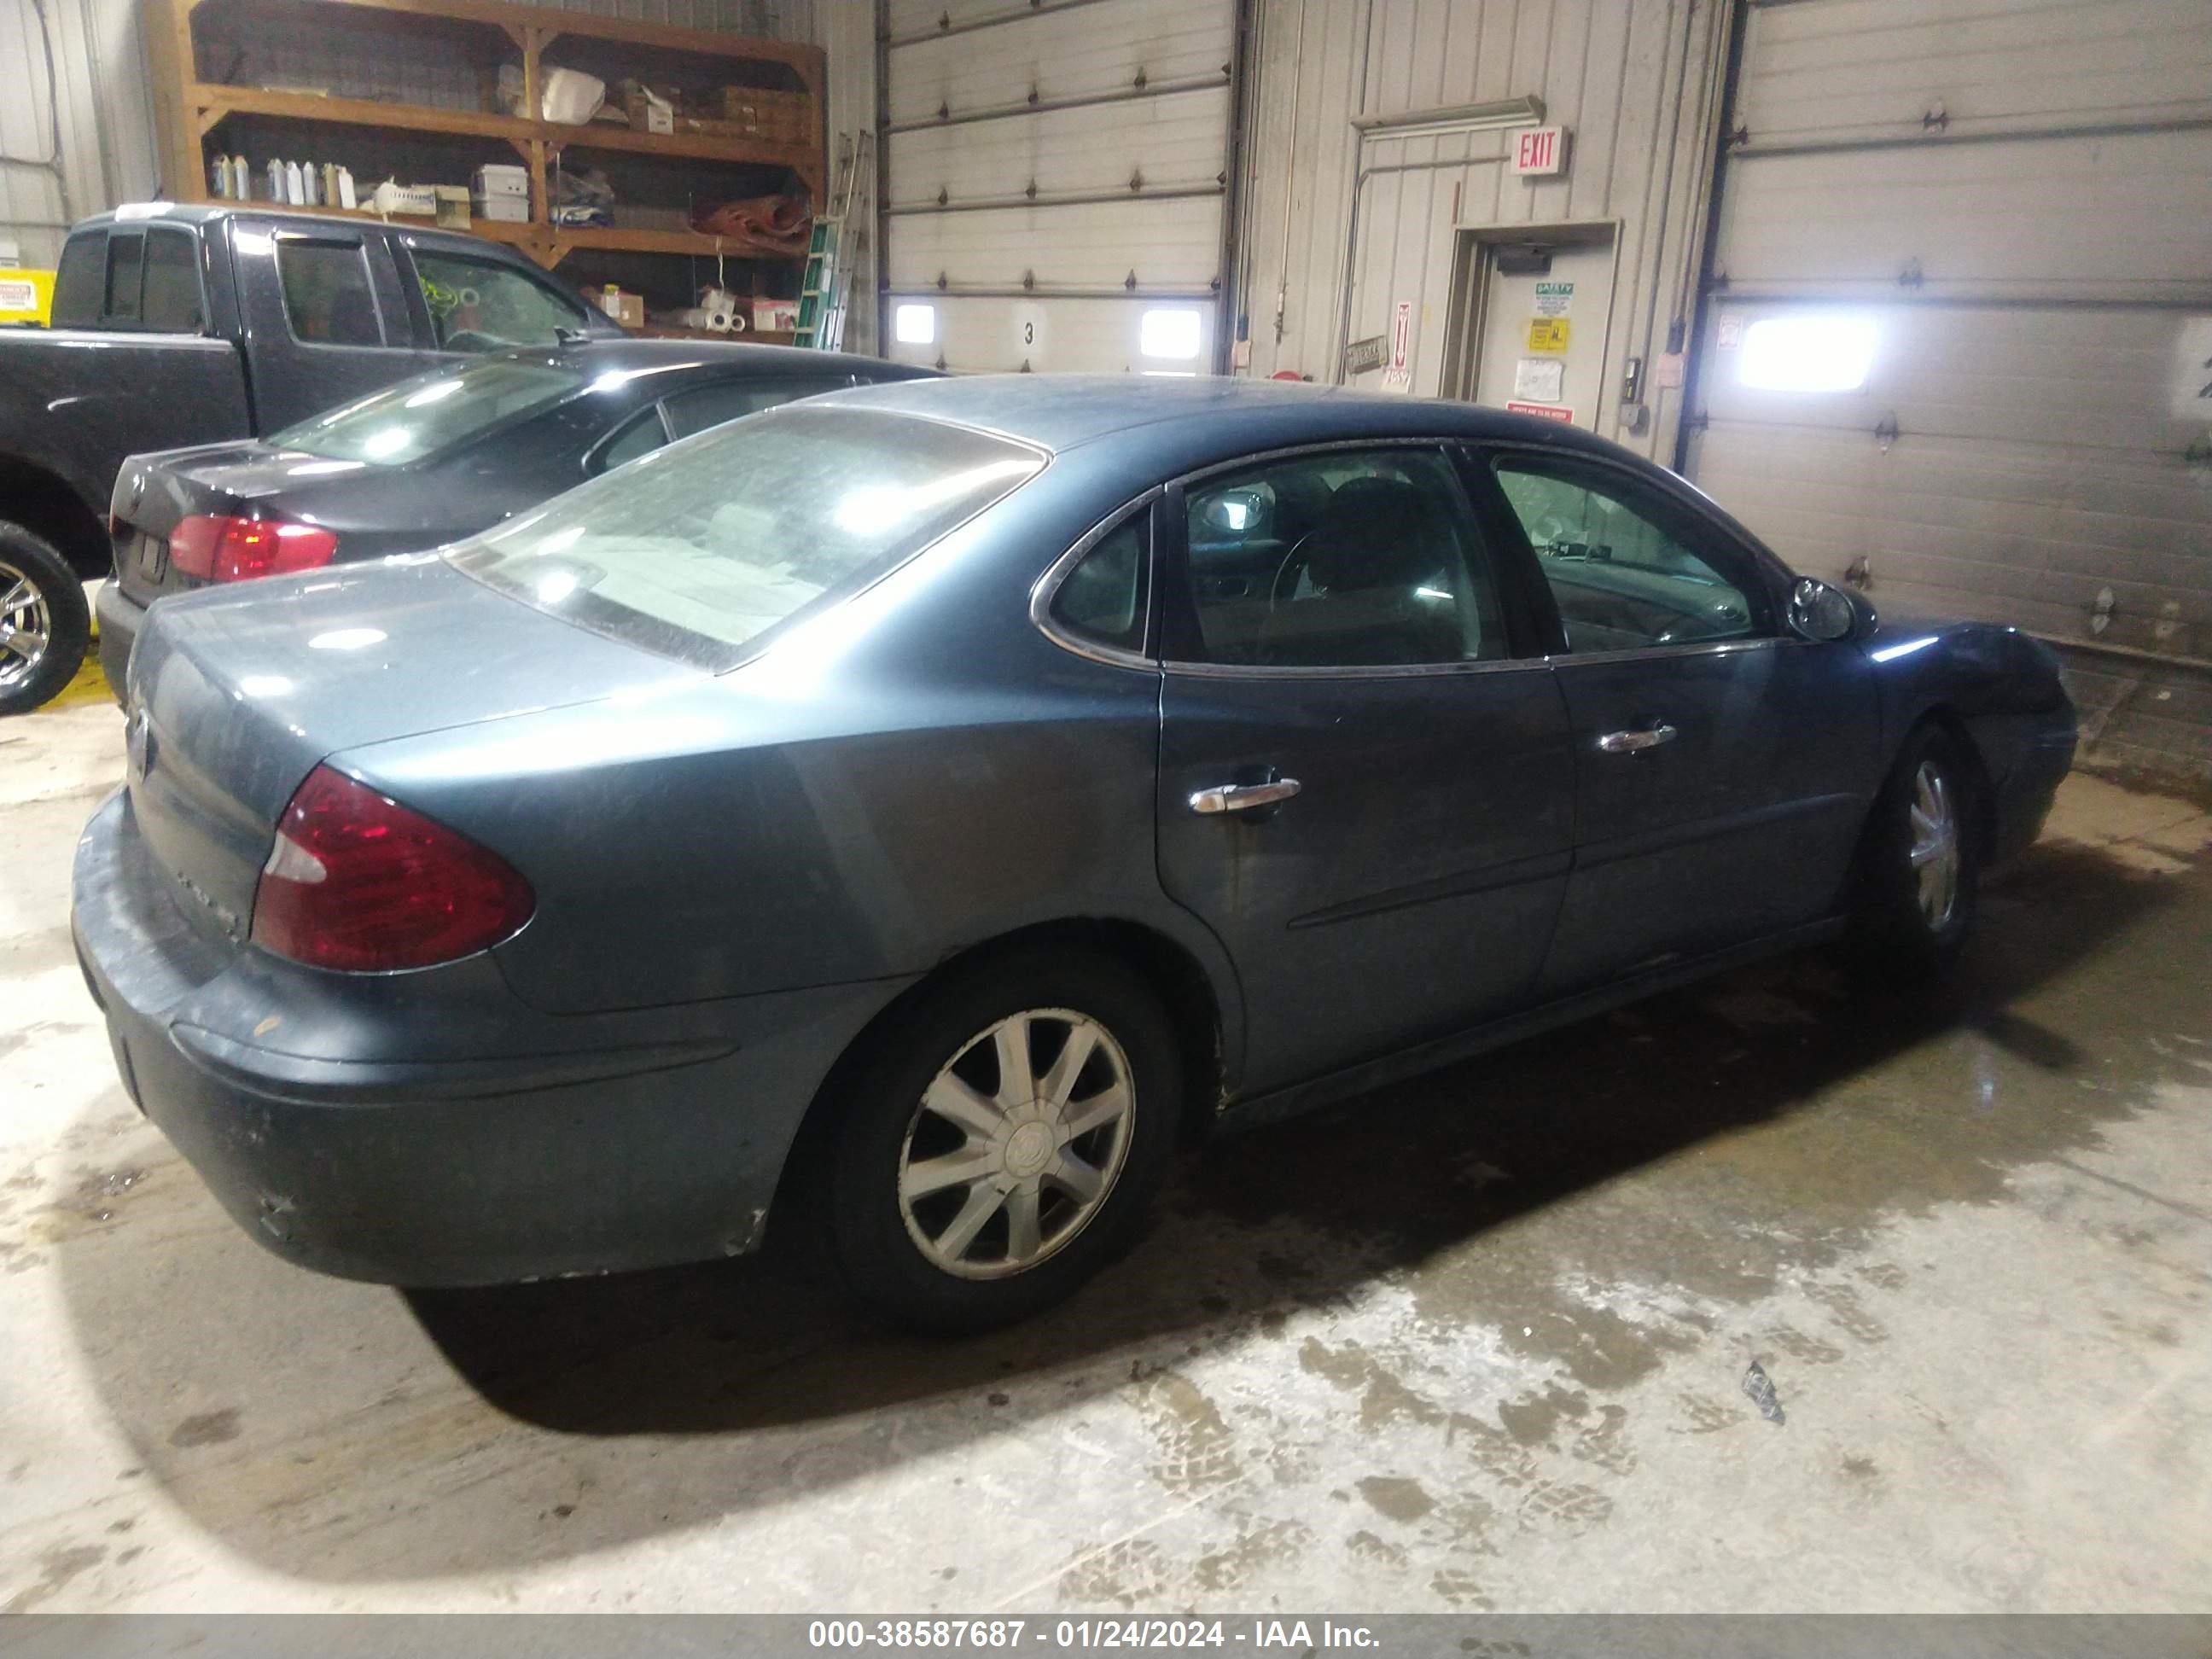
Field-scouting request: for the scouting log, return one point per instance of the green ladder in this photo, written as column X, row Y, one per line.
column 825, row 290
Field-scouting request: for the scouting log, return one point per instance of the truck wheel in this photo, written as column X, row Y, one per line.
column 45, row 623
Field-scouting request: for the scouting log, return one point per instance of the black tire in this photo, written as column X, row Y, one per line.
column 873, row 1238
column 1899, row 928
column 58, row 598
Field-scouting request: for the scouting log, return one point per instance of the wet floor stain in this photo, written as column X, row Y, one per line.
column 206, row 1429
column 1398, row 1497
column 58, row 1569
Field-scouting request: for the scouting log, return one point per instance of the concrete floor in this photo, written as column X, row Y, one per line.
column 1475, row 1343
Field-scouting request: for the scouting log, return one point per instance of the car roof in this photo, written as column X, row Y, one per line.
column 628, row 355
column 1058, row 412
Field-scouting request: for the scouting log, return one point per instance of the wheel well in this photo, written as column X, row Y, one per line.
column 1946, row 720
column 46, row 505
column 1186, row 995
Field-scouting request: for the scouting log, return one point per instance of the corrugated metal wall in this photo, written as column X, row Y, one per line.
column 2012, row 201
column 98, row 88
column 1636, row 83
column 93, row 100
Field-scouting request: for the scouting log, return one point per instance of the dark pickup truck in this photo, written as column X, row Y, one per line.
column 179, row 324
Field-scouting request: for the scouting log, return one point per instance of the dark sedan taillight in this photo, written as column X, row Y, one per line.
column 358, row 884
column 230, row 549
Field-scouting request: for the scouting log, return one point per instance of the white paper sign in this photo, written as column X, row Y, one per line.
column 1540, row 379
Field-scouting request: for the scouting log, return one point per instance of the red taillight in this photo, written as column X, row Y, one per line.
column 225, row 550
column 358, row 884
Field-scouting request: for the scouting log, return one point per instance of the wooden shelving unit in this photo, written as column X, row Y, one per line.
column 193, row 112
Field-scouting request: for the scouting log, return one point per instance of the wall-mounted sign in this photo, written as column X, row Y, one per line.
column 1540, row 152
column 1554, row 299
column 1731, row 334
column 1543, row 411
column 1398, row 376
column 1542, row 379
column 1547, row 336
column 1362, row 355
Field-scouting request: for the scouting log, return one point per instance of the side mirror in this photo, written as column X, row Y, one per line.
column 1820, row 612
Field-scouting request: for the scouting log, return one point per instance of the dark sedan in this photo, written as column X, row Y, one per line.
column 430, row 460
column 918, row 808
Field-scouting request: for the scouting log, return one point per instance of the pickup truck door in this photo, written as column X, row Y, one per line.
column 324, row 319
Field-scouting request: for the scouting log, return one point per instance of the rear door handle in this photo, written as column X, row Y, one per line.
column 1627, row 742
column 1244, row 796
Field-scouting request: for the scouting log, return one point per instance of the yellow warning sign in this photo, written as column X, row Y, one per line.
column 1548, row 335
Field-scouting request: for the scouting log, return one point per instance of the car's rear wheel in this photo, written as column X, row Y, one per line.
column 1920, row 863
column 1004, row 1142
column 45, row 623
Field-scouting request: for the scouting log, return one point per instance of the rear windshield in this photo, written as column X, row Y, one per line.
column 431, row 413
column 702, row 549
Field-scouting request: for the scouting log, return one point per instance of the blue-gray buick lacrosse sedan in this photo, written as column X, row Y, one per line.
column 914, row 811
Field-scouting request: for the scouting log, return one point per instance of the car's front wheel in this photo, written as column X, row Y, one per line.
column 45, row 623
column 1920, row 863
column 1004, row 1142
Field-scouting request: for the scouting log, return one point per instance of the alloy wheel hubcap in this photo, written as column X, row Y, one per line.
column 26, row 624
column 1015, row 1143
column 1935, row 854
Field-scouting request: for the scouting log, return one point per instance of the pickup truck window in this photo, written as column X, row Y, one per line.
column 171, row 301
column 326, row 293
column 431, row 413
column 477, row 305
column 126, row 252
column 77, row 283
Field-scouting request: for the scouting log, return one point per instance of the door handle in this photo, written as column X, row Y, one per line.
column 1627, row 742
column 1244, row 796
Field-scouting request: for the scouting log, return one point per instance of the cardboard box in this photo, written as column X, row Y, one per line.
column 452, row 206
column 506, row 209
column 775, row 316
column 763, row 112
column 649, row 112
column 498, row 180
column 625, row 307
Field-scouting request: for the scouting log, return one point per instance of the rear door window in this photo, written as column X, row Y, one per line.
column 425, row 416
column 77, row 283
column 127, row 254
column 705, row 406
column 171, row 299
column 327, row 298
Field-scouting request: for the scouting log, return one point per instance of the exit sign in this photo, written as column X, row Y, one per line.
column 1539, row 152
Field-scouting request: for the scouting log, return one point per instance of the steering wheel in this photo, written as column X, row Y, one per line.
column 1294, row 559
column 469, row 339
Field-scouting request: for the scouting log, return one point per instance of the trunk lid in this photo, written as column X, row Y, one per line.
column 237, row 693
column 154, row 494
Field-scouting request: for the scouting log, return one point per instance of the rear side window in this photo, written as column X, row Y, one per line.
column 126, row 252
column 642, row 436
column 327, row 297
column 711, row 405
column 77, row 283
column 432, row 413
column 172, row 296
column 1102, row 598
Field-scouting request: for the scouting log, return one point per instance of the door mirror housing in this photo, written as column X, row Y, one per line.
column 1821, row 613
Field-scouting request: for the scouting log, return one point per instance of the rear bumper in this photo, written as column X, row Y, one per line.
column 537, row 1161
column 120, row 618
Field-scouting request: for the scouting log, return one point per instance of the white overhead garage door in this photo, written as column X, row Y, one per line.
column 1055, row 176
column 1958, row 342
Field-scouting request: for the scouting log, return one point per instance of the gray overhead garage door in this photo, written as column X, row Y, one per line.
column 1054, row 183
column 1958, row 344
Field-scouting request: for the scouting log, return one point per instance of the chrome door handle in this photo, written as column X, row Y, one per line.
column 1244, row 796
column 1627, row 742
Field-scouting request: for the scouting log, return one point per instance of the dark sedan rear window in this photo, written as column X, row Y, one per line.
column 702, row 549
column 431, row 413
